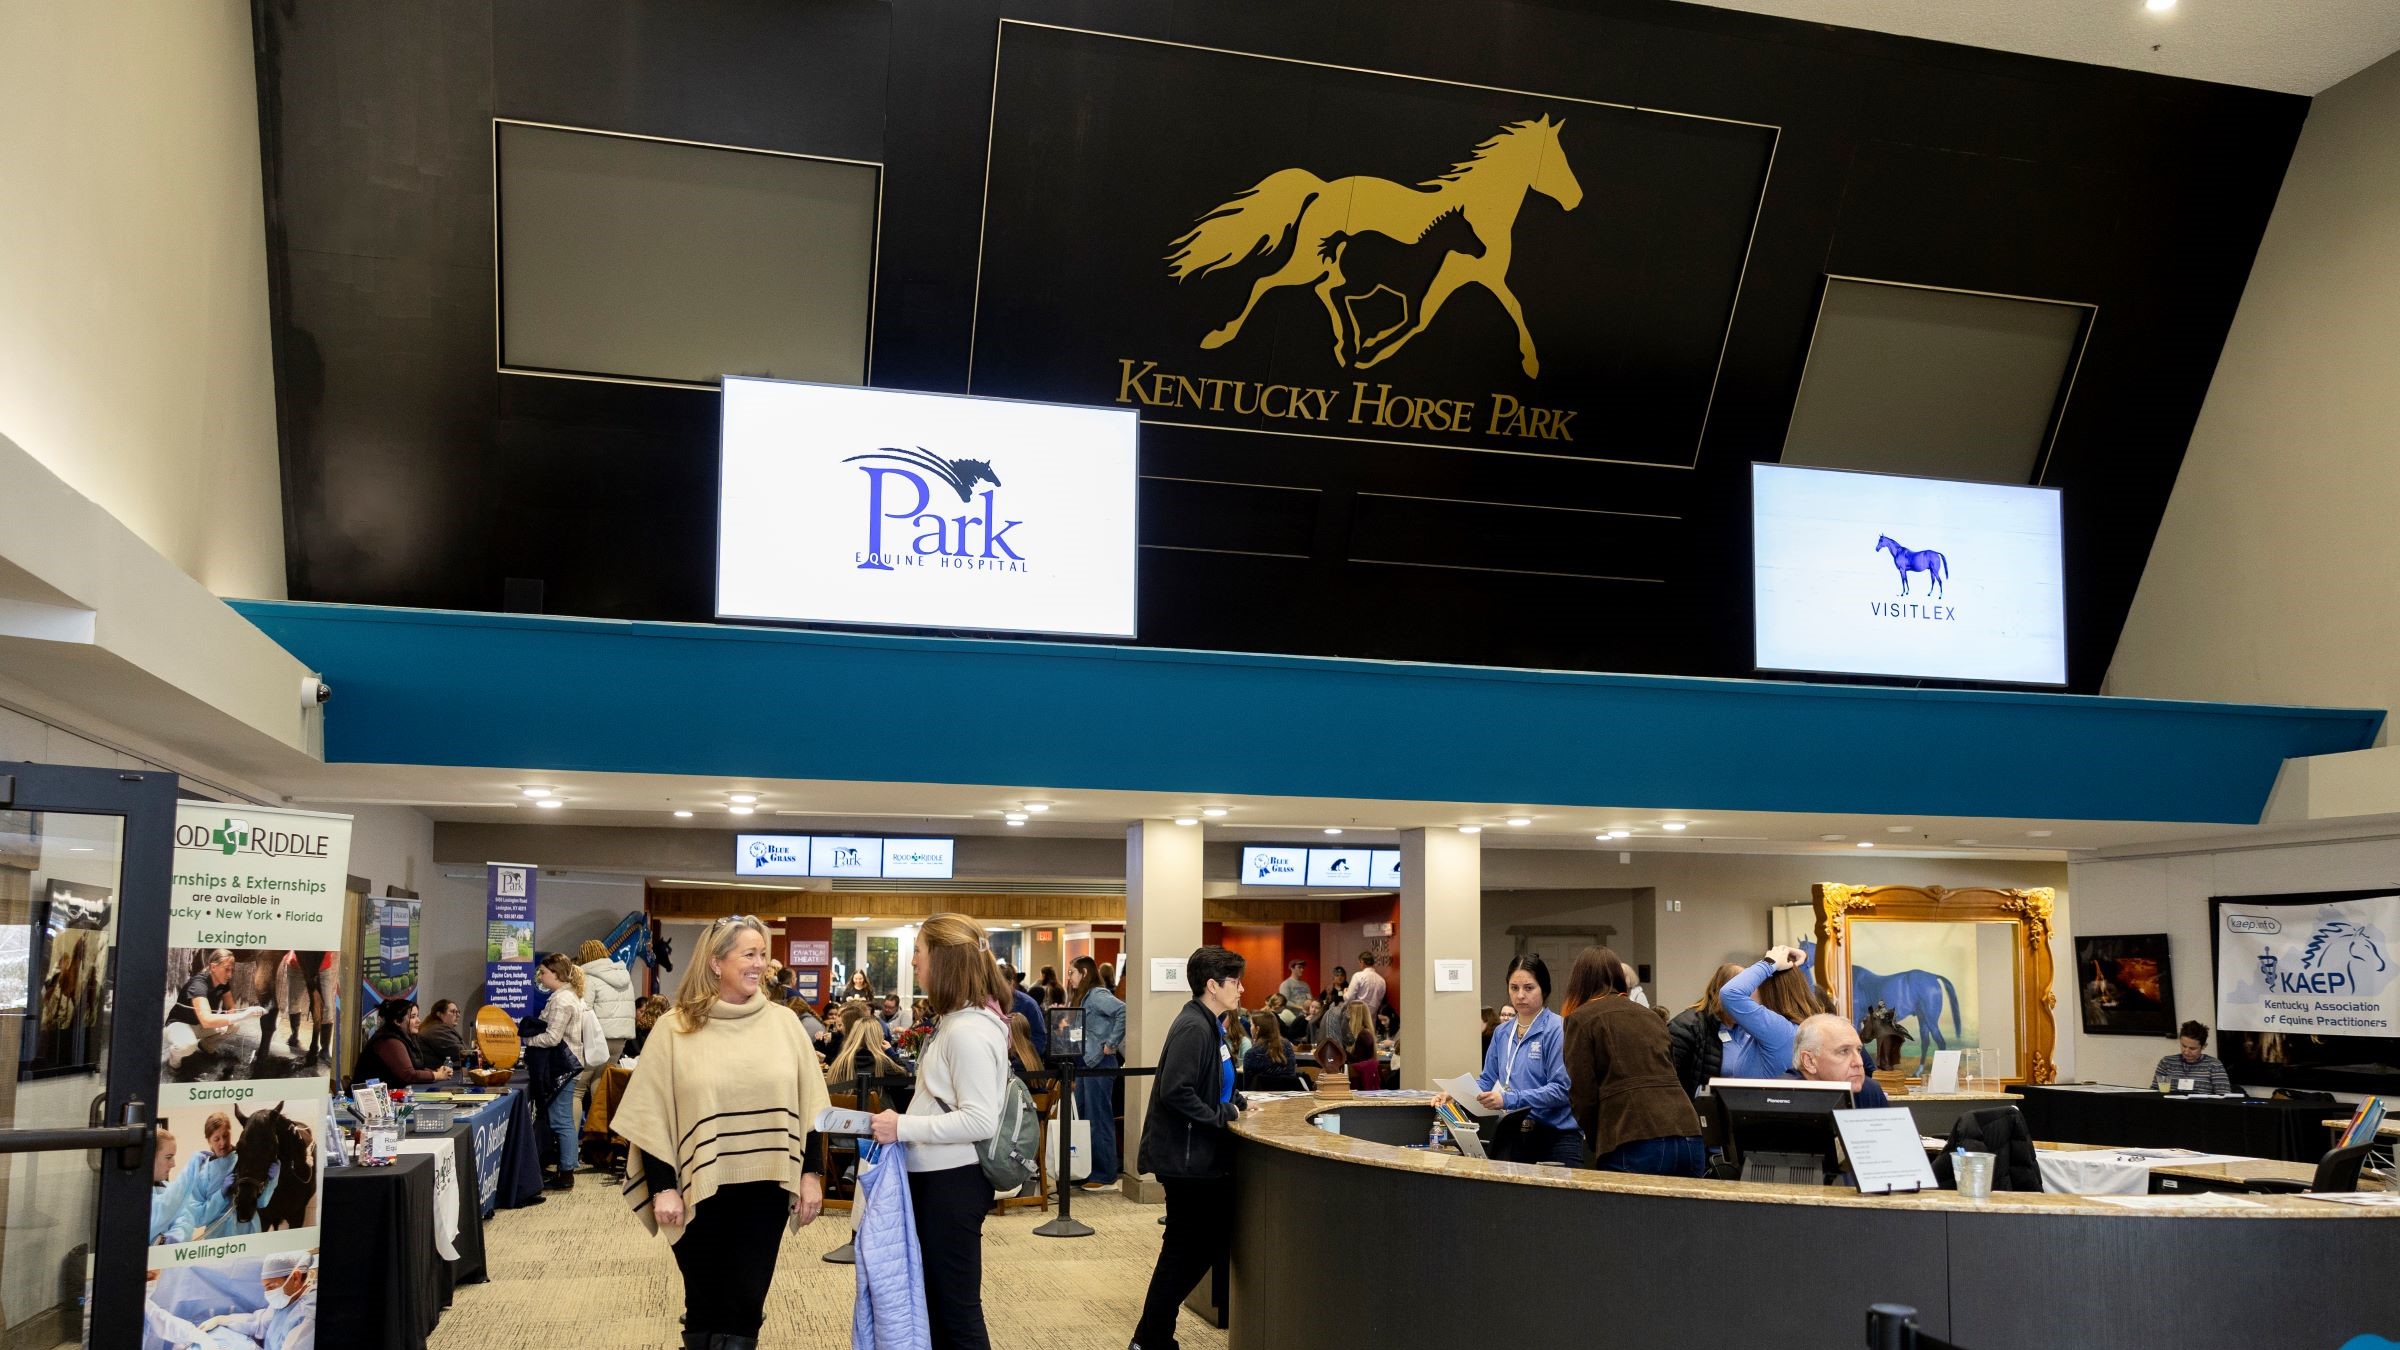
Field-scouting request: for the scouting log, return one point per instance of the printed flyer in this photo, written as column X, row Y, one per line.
column 256, row 970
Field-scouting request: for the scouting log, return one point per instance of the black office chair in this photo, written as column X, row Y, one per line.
column 2000, row 1131
column 1506, row 1134
column 2337, row 1174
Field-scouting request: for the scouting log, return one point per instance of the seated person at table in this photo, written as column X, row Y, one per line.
column 862, row 1055
column 2205, row 1072
column 1023, row 1060
column 889, row 1013
column 645, row 1016
column 444, row 1039
column 1270, row 1066
column 390, row 1054
column 1525, row 1068
column 1826, row 1050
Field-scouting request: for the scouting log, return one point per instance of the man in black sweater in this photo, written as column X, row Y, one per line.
column 1187, row 1142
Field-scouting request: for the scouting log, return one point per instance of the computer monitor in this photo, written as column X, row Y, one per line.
column 1780, row 1129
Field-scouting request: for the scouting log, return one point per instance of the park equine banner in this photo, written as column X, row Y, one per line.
column 1255, row 243
column 256, row 971
column 2308, row 966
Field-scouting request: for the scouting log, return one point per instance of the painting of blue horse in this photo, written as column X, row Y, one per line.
column 1921, row 994
column 1935, row 566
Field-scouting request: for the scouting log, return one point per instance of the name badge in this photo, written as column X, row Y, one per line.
column 1224, row 1052
column 1725, row 1035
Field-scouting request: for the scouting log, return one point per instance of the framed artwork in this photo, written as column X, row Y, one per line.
column 2125, row 985
column 66, row 1029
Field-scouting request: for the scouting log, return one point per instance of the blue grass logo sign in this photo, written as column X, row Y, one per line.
column 2323, row 969
column 905, row 494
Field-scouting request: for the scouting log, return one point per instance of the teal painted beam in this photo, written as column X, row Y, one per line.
column 437, row 687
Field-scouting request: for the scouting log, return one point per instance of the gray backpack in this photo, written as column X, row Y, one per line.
column 1013, row 1154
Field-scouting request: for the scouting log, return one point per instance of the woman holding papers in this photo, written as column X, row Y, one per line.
column 1623, row 1083
column 719, row 1115
column 1525, row 1067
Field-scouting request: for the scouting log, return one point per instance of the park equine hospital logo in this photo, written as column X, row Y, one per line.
column 1905, row 560
column 1351, row 239
column 972, row 542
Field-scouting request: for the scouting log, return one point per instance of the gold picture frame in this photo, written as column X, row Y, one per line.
column 1838, row 906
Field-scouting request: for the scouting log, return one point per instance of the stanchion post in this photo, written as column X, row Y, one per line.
column 1065, row 1225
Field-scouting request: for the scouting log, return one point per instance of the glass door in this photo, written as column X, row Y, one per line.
column 83, row 926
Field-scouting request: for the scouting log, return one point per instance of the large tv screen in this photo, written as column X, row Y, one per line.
column 878, row 507
column 1871, row 574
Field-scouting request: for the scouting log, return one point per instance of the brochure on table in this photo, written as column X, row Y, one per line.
column 1887, row 1155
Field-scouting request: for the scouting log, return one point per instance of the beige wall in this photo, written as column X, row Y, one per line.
column 133, row 279
column 2273, row 575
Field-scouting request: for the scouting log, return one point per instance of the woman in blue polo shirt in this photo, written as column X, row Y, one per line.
column 1522, row 1068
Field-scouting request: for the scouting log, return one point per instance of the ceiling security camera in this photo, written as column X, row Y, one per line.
column 314, row 691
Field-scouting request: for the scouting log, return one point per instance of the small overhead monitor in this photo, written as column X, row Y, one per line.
column 1274, row 865
column 1780, row 1129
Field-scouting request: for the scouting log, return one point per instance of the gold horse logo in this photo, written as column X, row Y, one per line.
column 1319, row 221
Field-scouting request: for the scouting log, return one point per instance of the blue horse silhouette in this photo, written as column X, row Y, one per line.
column 1935, row 567
column 2345, row 942
column 1911, row 993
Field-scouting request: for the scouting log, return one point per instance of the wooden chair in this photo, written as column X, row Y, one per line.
column 1043, row 1104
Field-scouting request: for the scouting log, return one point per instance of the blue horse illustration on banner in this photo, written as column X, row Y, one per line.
column 1920, row 994
column 1935, row 566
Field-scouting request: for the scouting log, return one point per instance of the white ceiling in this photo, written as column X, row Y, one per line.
column 2292, row 46
column 799, row 806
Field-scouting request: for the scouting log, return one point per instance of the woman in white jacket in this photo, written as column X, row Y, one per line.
column 608, row 987
column 961, row 1079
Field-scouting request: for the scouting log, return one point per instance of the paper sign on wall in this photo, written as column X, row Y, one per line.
column 1167, row 975
column 1451, row 977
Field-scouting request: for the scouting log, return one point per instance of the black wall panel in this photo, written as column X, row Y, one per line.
column 417, row 475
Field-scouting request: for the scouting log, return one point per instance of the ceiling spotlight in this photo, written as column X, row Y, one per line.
column 1866, row 843
column 742, row 810
column 1620, row 834
column 1970, row 841
column 683, row 815
column 1187, row 820
column 1014, row 817
column 1601, row 838
column 1333, row 829
column 1520, row 821
column 1212, row 812
column 1672, row 826
column 535, row 792
column 1035, row 807
column 1832, row 838
column 1016, row 824
column 2039, row 834
column 1897, row 829
column 550, row 803
column 742, row 798
column 2158, row 6
column 1470, row 829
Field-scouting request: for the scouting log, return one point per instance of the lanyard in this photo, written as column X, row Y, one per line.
column 1508, row 1064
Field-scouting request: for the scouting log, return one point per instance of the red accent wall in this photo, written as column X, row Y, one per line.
column 1260, row 945
column 1379, row 909
column 1300, row 944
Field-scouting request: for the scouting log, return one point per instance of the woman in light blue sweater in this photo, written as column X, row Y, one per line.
column 1767, row 1003
column 1103, row 1047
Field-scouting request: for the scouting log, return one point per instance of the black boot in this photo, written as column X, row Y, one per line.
column 695, row 1340
column 724, row 1342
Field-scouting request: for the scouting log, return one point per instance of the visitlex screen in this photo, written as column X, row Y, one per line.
column 1872, row 574
column 875, row 506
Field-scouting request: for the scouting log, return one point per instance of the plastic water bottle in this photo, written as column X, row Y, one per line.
column 1437, row 1137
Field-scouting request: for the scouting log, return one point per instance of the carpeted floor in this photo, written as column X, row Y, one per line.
column 580, row 1271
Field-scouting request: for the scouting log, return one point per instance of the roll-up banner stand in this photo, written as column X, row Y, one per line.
column 508, row 927
column 256, row 969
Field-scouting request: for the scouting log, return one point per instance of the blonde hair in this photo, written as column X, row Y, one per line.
column 568, row 973
column 959, row 971
column 593, row 949
column 865, row 1034
column 699, row 991
column 1020, row 1040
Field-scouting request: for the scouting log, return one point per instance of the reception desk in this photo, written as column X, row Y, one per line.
column 1438, row 1249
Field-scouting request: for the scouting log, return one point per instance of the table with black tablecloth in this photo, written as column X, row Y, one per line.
column 2249, row 1128
column 382, row 1282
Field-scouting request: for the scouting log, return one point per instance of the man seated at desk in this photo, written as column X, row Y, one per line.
column 1826, row 1050
column 2188, row 1070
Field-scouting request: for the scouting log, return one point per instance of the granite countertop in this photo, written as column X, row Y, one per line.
column 1285, row 1125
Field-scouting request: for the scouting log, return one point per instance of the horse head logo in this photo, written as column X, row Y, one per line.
column 1935, row 566
column 961, row 474
column 2344, row 943
column 1312, row 224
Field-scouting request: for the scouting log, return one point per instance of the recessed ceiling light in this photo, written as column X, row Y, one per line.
column 2038, row 834
column 1520, row 821
column 550, row 803
column 742, row 798
column 78, row 849
column 1014, row 817
column 1672, row 825
column 858, row 918
column 1970, row 841
column 1602, row 837
column 536, row 792
column 2158, row 6
column 1016, row 824
column 742, row 810
column 1832, row 838
column 1036, row 807
column 683, row 815
column 1187, row 820
column 1470, row 829
column 1897, row 829
column 1620, row 834
column 1212, row 812
column 1333, row 829
column 1866, row 843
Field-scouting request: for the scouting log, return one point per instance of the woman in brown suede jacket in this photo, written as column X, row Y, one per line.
column 1621, row 1078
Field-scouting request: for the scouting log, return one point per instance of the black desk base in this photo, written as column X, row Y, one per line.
column 2290, row 1131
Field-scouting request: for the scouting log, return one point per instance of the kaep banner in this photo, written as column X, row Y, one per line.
column 2315, row 967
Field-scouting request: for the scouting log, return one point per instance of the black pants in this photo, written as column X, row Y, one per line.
column 948, row 1207
column 1199, row 1227
column 727, row 1253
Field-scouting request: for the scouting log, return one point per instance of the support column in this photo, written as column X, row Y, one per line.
column 1441, row 919
column 1162, row 920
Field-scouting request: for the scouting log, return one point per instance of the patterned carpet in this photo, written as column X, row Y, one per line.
column 580, row 1271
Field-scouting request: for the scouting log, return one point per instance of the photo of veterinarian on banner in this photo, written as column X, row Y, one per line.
column 249, row 1012
column 227, row 1170
column 247, row 1303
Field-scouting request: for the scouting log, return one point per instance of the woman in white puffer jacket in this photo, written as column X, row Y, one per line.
column 608, row 988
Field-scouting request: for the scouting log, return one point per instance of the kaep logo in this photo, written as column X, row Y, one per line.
column 905, row 495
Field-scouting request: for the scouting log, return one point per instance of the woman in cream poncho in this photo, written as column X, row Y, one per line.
column 720, row 1115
